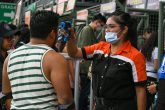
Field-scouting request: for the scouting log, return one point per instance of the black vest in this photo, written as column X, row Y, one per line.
column 112, row 78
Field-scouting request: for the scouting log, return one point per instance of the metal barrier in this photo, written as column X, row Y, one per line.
column 161, row 31
column 91, row 97
column 76, row 86
column 144, row 19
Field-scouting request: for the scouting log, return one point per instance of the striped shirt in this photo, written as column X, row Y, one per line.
column 30, row 88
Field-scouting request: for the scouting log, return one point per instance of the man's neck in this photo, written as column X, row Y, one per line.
column 92, row 26
column 35, row 41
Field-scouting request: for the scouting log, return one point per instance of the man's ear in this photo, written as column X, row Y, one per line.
column 52, row 34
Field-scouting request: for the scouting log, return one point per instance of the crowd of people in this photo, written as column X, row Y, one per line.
column 34, row 75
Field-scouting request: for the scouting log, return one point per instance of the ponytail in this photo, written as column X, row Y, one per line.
column 132, row 32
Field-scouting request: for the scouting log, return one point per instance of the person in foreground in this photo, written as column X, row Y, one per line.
column 118, row 69
column 34, row 73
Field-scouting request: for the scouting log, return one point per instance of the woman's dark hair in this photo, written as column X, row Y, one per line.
column 149, row 45
column 124, row 19
column 24, row 37
column 149, row 29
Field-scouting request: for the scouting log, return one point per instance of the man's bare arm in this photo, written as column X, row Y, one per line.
column 56, row 65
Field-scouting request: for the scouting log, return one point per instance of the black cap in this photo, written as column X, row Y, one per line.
column 5, row 30
column 14, row 27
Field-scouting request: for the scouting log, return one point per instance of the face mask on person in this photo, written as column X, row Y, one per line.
column 111, row 37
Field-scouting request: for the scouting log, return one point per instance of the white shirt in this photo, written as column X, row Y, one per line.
column 150, row 64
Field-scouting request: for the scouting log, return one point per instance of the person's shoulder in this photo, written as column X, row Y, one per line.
column 103, row 43
column 134, row 50
column 156, row 49
column 87, row 28
column 54, row 54
column 135, row 53
column 54, row 57
column 12, row 52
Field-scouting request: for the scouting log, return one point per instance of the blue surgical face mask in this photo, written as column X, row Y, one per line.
column 111, row 37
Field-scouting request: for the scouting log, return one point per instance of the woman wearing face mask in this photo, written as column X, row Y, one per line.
column 118, row 69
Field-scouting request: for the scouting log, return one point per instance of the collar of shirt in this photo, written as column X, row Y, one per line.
column 125, row 48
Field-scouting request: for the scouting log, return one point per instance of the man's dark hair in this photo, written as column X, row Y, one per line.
column 42, row 23
column 99, row 17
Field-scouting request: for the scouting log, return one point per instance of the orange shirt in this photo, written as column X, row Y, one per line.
column 126, row 53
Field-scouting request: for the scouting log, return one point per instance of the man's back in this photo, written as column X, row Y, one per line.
column 30, row 87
